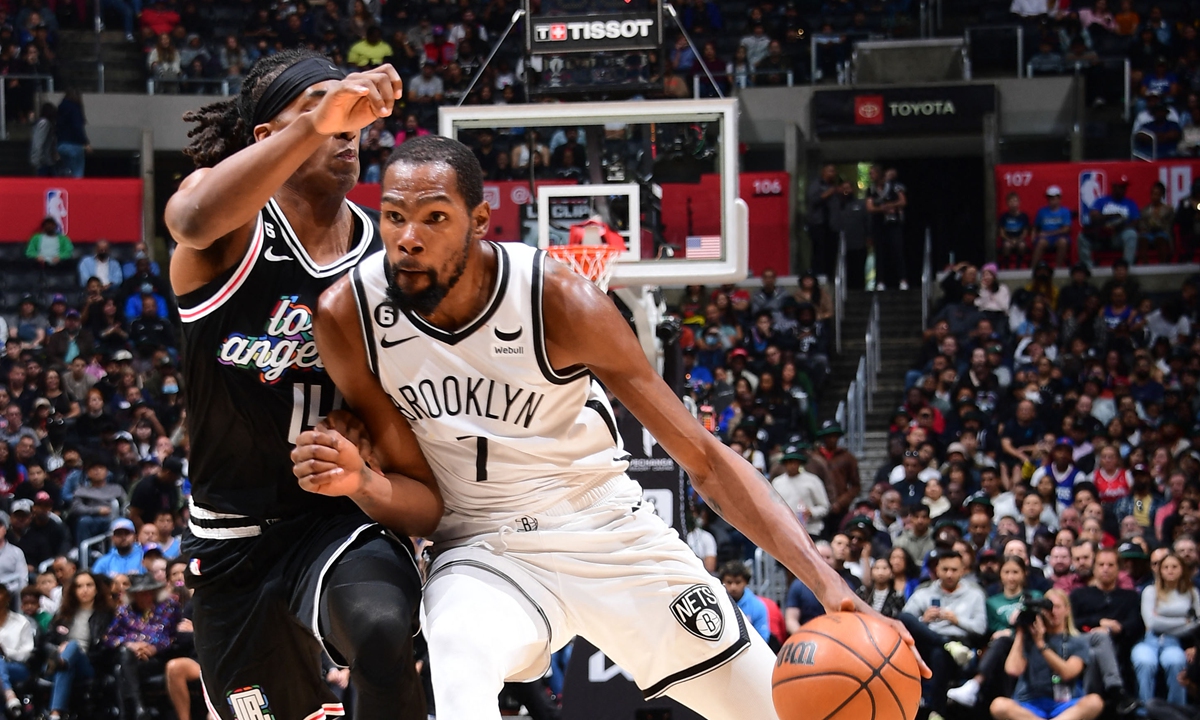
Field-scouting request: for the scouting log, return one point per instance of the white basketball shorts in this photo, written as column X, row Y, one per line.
column 613, row 573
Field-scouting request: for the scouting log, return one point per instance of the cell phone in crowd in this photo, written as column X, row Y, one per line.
column 936, row 602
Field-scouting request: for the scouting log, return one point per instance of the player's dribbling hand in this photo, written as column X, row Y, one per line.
column 855, row 604
column 355, row 102
column 326, row 463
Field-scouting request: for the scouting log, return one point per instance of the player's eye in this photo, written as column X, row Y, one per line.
column 394, row 217
column 437, row 217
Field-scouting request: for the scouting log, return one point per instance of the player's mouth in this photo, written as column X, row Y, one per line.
column 347, row 155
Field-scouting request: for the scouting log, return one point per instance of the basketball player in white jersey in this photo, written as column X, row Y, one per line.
column 493, row 352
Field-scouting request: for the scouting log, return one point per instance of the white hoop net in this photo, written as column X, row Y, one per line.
column 594, row 262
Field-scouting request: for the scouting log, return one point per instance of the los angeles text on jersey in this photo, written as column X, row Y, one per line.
column 288, row 343
column 468, row 396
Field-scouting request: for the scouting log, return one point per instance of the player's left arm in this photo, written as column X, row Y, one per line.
column 583, row 327
column 402, row 492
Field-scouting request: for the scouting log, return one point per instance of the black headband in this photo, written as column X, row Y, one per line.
column 294, row 80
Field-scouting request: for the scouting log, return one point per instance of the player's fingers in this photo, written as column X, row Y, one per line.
column 383, row 85
column 319, row 453
column 393, row 79
column 912, row 645
column 318, row 483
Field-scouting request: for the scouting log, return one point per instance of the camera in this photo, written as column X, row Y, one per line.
column 1030, row 608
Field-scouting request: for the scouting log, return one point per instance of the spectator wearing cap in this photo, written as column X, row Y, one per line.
column 72, row 341
column 49, row 245
column 907, row 480
column 1062, row 470
column 156, row 491
column 93, row 504
column 1052, row 228
column 102, row 266
column 141, row 633
column 1135, row 563
column 842, row 481
column 1143, row 501
column 29, row 326
column 1111, row 223
column 125, row 557
column 44, row 536
column 803, row 492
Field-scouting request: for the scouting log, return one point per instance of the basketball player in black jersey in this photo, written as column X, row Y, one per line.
column 280, row 573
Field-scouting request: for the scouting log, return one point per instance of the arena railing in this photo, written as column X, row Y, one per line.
column 977, row 48
column 860, row 396
column 47, row 83
column 1135, row 153
column 768, row 577
column 927, row 279
column 738, row 80
column 184, row 86
column 839, row 293
column 929, row 17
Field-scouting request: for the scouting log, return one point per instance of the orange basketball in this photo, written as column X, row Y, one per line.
column 846, row 666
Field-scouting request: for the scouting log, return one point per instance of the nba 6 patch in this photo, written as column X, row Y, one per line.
column 698, row 611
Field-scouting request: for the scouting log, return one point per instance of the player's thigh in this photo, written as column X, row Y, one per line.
column 487, row 612
column 646, row 600
column 256, row 659
column 737, row 690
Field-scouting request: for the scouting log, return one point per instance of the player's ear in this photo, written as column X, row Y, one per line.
column 262, row 131
column 481, row 218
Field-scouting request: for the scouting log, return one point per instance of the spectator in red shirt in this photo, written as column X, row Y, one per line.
column 159, row 18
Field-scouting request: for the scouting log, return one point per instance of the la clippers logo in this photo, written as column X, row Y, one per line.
column 698, row 611
column 288, row 343
column 868, row 109
column 250, row 704
column 1093, row 185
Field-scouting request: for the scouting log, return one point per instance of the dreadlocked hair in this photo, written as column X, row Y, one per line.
column 223, row 128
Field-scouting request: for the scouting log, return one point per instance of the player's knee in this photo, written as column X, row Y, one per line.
column 1000, row 707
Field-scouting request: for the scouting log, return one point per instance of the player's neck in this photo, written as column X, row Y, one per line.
column 322, row 222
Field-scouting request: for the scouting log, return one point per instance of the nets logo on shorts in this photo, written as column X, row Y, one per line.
column 250, row 704
column 698, row 611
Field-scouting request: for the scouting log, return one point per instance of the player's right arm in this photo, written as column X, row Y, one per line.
column 402, row 494
column 212, row 214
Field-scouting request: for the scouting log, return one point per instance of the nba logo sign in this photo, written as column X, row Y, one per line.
column 56, row 207
column 1093, row 185
column 868, row 109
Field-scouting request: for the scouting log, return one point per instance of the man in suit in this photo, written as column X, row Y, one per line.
column 1031, row 517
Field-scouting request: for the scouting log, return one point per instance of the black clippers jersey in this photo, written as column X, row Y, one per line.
column 254, row 381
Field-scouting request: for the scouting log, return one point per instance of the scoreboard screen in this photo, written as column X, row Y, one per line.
column 557, row 27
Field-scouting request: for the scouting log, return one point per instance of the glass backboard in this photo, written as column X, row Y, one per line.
column 662, row 173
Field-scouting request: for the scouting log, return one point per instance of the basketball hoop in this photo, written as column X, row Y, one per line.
column 594, row 262
column 591, row 251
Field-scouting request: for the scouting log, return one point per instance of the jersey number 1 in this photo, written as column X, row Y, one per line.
column 481, row 456
column 309, row 407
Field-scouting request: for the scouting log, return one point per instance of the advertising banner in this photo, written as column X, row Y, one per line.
column 902, row 111
column 1084, row 183
column 86, row 210
column 595, row 33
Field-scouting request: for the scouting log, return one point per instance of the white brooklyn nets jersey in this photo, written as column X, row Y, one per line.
column 505, row 433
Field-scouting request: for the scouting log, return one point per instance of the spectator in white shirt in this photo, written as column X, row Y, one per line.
column 803, row 492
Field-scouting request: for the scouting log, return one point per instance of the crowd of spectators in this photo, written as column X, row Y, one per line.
column 1038, row 515
column 1154, row 233
column 93, row 474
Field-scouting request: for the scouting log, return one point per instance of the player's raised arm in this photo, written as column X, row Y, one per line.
column 401, row 493
column 584, row 327
column 215, row 201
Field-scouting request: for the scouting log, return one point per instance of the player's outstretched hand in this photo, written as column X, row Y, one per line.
column 355, row 102
column 327, row 463
column 854, row 604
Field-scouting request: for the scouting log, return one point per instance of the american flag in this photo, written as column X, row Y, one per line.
column 703, row 247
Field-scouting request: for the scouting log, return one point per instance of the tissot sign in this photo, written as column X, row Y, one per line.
column 594, row 33
column 910, row 111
